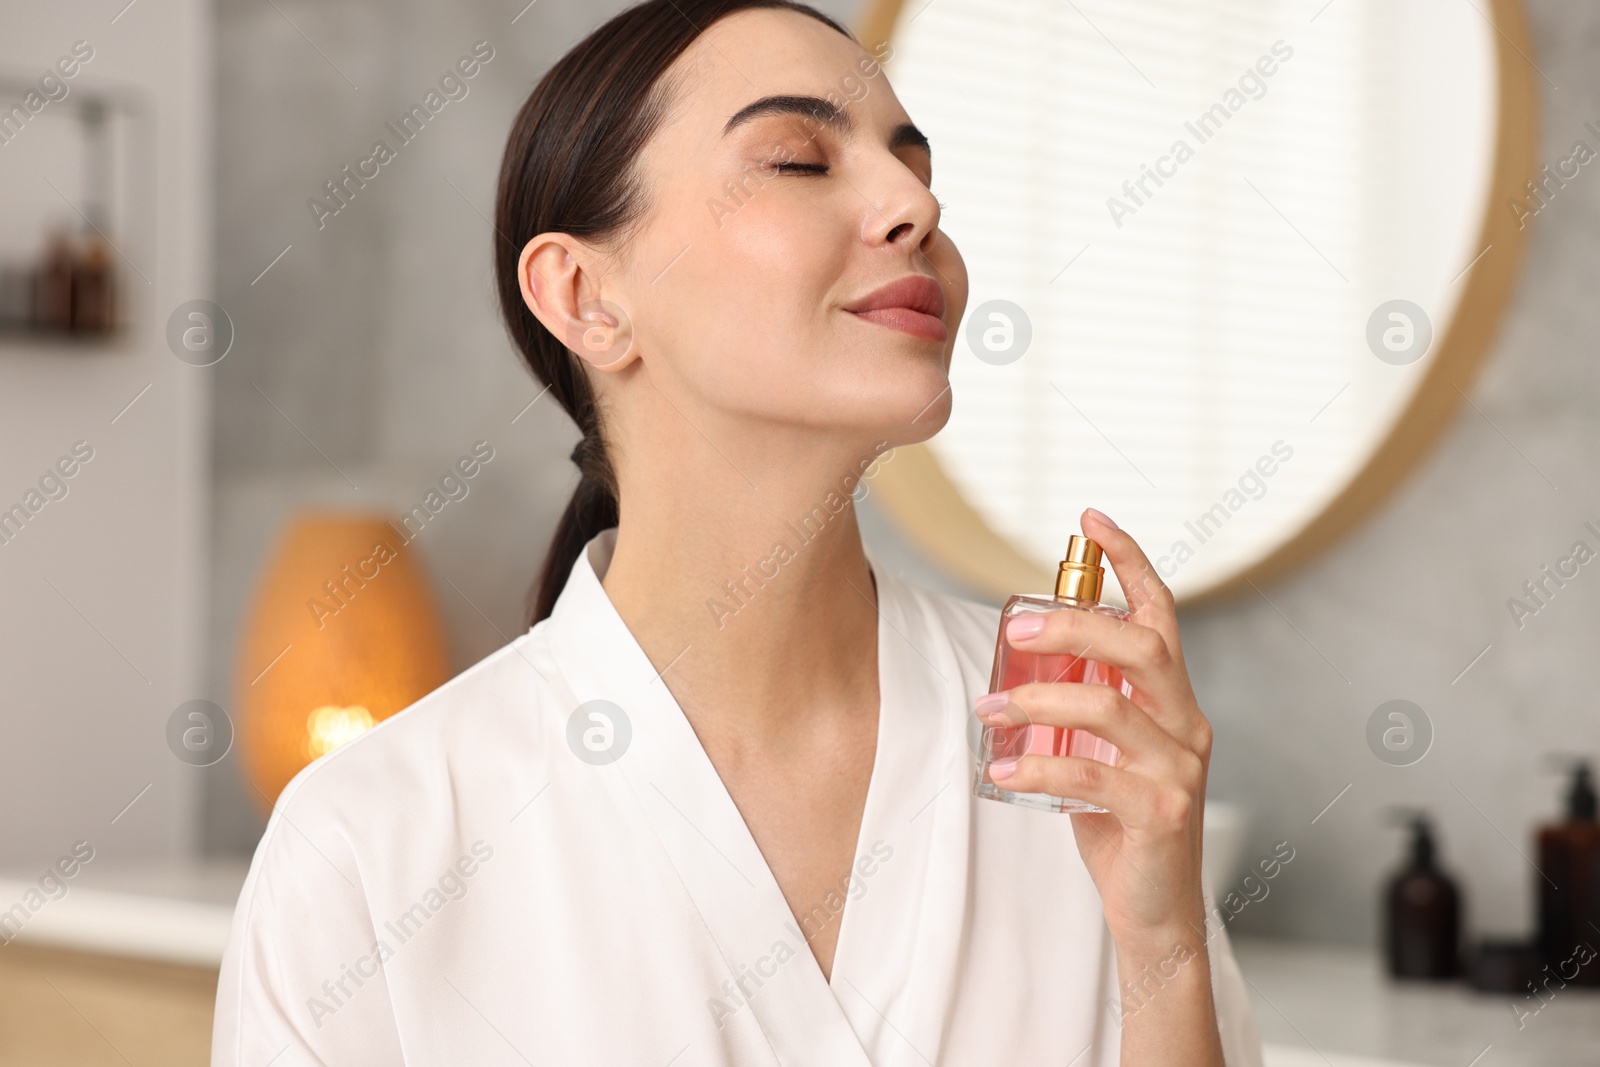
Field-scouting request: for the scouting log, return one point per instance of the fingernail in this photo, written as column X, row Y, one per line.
column 1001, row 769
column 1100, row 516
column 988, row 705
column 1020, row 629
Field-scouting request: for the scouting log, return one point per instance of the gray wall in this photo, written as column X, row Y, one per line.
column 378, row 337
column 102, row 592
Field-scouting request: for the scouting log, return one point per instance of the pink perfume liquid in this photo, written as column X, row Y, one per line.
column 1013, row 667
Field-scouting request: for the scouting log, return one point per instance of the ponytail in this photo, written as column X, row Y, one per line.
column 593, row 508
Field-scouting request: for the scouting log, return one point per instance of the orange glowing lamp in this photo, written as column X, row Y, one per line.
column 342, row 634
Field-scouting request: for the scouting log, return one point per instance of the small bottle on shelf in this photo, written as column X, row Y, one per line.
column 52, row 284
column 93, row 306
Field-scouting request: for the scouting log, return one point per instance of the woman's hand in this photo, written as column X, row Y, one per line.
column 1143, row 852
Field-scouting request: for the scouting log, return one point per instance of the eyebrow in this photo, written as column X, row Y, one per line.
column 825, row 112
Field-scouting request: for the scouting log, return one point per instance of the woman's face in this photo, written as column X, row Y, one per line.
column 762, row 234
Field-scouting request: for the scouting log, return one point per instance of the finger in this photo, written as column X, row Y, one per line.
column 1098, row 709
column 1140, row 652
column 1141, row 803
column 1149, row 599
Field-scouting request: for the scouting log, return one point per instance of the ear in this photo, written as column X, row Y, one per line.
column 560, row 285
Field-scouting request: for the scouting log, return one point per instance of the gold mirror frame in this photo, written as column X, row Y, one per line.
column 928, row 509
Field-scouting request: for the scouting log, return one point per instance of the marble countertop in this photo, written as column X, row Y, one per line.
column 1332, row 1006
column 175, row 913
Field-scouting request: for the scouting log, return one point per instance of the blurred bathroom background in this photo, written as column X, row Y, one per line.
column 365, row 357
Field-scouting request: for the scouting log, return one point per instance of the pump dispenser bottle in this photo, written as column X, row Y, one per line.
column 1569, row 885
column 1422, row 929
column 1078, row 583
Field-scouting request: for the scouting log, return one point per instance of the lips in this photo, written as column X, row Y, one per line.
column 913, row 304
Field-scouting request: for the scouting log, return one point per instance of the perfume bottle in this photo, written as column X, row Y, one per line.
column 1077, row 589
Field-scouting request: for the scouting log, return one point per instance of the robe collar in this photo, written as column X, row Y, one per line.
column 875, row 1010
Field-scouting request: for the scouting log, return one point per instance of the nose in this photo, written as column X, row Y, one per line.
column 903, row 214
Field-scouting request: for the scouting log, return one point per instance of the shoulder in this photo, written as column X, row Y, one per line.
column 409, row 760
column 361, row 827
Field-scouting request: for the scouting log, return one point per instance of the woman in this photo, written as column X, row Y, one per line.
column 715, row 806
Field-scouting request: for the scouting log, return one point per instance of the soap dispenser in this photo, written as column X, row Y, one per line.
column 1422, row 911
column 1569, row 885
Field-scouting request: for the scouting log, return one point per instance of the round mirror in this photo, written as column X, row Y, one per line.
column 1232, row 266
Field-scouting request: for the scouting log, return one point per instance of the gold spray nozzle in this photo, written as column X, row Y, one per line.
column 1080, row 575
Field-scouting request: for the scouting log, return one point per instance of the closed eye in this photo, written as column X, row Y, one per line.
column 801, row 168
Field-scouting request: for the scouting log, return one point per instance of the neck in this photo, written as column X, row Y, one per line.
column 748, row 588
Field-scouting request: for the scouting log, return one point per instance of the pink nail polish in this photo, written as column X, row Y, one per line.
column 1103, row 517
column 1020, row 629
column 1077, row 589
column 991, row 703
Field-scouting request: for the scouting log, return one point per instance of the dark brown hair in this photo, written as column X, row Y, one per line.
column 570, row 168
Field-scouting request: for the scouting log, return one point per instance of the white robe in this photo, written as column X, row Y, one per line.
column 458, row 886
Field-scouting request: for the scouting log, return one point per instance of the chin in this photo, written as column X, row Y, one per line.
column 916, row 408
column 927, row 425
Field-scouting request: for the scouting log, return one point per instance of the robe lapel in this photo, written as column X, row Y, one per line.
column 900, row 948
column 771, row 974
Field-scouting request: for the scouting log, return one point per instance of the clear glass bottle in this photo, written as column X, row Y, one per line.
column 1078, row 585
